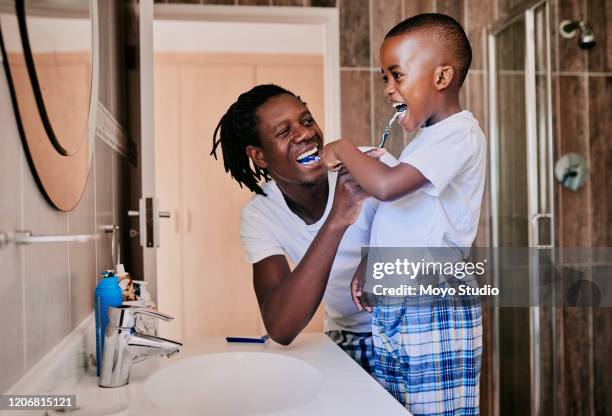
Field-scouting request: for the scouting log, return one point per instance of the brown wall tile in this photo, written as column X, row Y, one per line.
column 547, row 362
column 571, row 57
column 476, row 99
column 483, row 234
column 602, row 366
column 288, row 2
column 354, row 33
column 355, row 104
column 230, row 2
column 463, row 95
column 576, row 367
column 453, row 8
column 514, row 361
column 504, row 7
column 573, row 223
column 510, row 45
column 600, row 103
column 480, row 13
column 412, row 7
column 477, row 104
column 512, row 148
column 385, row 15
column 599, row 17
column 320, row 3
column 254, row 2
column 382, row 114
column 486, row 374
column 475, row 87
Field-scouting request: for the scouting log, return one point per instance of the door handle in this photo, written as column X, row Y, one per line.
column 535, row 224
column 162, row 214
column 149, row 215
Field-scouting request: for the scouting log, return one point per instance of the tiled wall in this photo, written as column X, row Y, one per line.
column 582, row 94
column 47, row 290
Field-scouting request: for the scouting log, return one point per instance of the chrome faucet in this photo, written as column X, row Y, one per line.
column 123, row 346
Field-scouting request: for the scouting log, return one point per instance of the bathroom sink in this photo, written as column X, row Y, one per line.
column 233, row 383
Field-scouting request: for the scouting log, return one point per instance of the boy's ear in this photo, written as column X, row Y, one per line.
column 256, row 155
column 443, row 76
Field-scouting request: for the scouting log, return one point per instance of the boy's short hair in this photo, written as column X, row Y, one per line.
column 447, row 31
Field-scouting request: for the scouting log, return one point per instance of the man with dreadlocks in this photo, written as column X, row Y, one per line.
column 319, row 220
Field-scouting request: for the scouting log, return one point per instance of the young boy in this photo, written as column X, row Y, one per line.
column 427, row 356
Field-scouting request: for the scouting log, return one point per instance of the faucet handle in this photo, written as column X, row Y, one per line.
column 125, row 315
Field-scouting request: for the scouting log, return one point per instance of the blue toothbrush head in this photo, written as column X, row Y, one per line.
column 309, row 159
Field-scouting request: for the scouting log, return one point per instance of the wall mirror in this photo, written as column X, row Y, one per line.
column 50, row 56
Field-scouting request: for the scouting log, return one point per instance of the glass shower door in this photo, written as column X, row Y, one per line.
column 520, row 177
column 512, row 212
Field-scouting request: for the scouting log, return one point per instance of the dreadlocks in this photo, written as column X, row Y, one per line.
column 238, row 129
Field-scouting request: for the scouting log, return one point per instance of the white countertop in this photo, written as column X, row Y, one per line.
column 346, row 388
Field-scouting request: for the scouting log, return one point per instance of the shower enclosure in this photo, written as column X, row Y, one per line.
column 520, row 114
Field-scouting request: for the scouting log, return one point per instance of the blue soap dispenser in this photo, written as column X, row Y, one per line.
column 107, row 294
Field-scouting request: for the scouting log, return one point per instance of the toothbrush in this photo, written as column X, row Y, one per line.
column 248, row 340
column 399, row 110
column 310, row 158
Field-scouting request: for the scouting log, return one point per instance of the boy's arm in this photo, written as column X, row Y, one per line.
column 383, row 182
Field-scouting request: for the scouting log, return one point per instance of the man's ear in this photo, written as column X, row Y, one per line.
column 256, row 155
column 443, row 77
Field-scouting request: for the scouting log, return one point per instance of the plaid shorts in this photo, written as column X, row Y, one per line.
column 428, row 356
column 356, row 344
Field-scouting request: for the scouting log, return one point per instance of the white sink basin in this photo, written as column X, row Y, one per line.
column 233, row 383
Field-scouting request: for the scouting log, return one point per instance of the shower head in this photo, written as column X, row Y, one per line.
column 586, row 37
column 586, row 40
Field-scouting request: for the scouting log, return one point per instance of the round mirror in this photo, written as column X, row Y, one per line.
column 50, row 57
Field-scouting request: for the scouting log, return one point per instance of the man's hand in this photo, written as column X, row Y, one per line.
column 357, row 286
column 348, row 199
column 349, row 196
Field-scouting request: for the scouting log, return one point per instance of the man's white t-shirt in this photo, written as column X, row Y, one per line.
column 451, row 154
column 269, row 228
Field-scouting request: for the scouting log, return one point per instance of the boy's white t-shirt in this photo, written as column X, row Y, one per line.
column 268, row 227
column 451, row 154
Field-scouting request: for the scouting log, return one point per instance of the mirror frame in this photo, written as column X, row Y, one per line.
column 59, row 186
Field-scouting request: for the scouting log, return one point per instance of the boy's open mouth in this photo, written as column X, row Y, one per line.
column 402, row 109
column 309, row 156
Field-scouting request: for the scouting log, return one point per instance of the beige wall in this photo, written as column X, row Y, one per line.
column 47, row 290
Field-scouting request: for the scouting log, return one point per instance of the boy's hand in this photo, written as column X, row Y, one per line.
column 357, row 286
column 329, row 157
column 333, row 163
column 376, row 153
